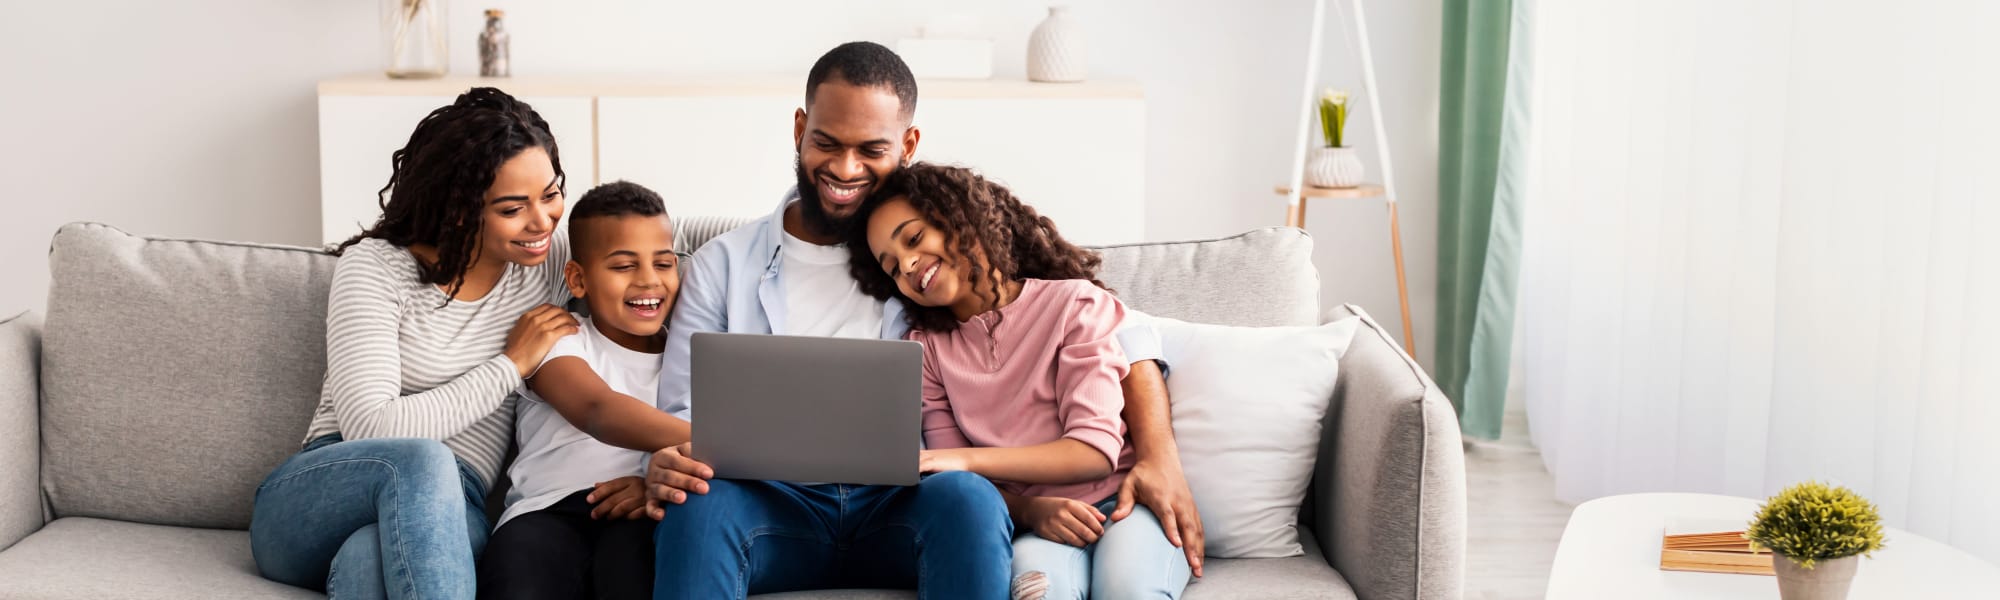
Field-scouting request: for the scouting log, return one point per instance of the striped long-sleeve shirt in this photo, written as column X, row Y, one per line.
column 401, row 361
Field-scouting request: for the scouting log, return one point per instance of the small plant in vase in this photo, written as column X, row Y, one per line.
column 1333, row 165
column 1821, row 531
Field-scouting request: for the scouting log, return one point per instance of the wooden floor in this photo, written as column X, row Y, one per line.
column 1514, row 521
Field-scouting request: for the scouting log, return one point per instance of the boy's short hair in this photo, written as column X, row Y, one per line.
column 616, row 199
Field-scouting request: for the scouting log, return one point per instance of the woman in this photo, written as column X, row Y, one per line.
column 434, row 316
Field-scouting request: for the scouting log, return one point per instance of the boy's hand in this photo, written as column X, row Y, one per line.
column 671, row 475
column 1065, row 520
column 621, row 498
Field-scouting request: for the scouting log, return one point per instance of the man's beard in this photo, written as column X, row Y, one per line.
column 811, row 210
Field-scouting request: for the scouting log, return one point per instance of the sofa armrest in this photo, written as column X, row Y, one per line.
column 21, row 509
column 1389, row 486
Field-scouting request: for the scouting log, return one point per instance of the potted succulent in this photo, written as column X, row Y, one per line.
column 1821, row 531
column 1333, row 165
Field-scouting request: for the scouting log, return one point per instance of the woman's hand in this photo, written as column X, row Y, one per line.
column 938, row 461
column 1064, row 520
column 621, row 498
column 534, row 334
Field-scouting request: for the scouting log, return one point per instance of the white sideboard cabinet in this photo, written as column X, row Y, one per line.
column 1076, row 152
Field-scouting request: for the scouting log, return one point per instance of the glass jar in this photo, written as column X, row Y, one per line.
column 414, row 39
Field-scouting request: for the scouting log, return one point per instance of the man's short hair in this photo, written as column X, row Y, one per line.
column 865, row 64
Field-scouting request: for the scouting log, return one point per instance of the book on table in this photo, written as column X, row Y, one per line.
column 1711, row 546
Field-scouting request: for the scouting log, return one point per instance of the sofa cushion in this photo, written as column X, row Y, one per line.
column 94, row 559
column 1248, row 405
column 1296, row 578
column 1261, row 278
column 21, row 507
column 175, row 373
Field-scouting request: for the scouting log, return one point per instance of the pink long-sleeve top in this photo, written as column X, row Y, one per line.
column 1050, row 370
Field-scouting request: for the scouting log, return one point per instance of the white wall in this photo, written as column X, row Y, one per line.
column 197, row 118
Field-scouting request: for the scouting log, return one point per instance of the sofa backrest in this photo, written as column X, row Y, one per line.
column 1260, row 278
column 178, row 373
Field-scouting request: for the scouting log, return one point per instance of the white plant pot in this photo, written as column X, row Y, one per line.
column 1055, row 50
column 1334, row 168
column 1827, row 580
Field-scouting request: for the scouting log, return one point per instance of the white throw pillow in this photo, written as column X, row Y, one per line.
column 1247, row 405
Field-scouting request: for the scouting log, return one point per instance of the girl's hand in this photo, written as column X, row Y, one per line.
column 533, row 335
column 1064, row 520
column 938, row 461
column 621, row 498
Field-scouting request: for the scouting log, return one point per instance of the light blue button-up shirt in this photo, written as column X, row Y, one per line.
column 734, row 284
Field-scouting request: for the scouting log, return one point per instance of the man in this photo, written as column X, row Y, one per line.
column 787, row 274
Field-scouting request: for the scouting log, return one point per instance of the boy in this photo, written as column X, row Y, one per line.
column 575, row 524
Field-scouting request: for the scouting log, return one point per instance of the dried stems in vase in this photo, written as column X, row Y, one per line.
column 407, row 15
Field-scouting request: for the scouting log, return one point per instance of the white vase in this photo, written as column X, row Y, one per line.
column 1334, row 168
column 1827, row 580
column 1055, row 50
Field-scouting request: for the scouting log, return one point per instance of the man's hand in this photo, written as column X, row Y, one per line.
column 1064, row 520
column 671, row 475
column 1160, row 485
column 621, row 498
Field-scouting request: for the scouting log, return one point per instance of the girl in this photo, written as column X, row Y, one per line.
column 1021, row 376
column 434, row 315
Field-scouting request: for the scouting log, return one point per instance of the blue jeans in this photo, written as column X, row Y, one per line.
column 1133, row 559
column 947, row 536
column 375, row 518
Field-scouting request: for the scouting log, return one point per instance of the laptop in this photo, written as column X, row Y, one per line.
column 807, row 409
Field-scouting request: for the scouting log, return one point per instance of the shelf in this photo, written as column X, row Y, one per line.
column 1366, row 190
column 660, row 85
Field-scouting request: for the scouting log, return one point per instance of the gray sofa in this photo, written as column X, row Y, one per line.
column 171, row 375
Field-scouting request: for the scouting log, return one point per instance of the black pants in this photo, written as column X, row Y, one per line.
column 560, row 552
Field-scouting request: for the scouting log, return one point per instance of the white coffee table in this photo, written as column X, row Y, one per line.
column 1611, row 549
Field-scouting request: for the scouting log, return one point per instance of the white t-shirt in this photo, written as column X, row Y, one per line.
column 557, row 459
column 821, row 298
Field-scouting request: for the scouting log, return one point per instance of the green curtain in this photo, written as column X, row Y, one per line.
column 1481, row 133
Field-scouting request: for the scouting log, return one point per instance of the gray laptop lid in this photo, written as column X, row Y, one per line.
column 807, row 409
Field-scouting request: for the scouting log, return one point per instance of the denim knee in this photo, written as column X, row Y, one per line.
column 970, row 494
column 1134, row 560
column 356, row 571
column 1064, row 570
column 701, row 512
column 423, row 458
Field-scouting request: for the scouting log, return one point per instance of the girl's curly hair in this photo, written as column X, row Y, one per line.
column 977, row 217
column 436, row 193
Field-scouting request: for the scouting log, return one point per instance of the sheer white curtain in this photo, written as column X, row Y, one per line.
column 1763, row 246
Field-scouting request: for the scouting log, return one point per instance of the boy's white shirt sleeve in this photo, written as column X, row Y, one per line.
column 569, row 345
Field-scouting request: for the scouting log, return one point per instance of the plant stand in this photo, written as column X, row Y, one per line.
column 1295, row 214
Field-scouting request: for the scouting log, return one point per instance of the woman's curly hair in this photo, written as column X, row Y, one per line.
column 436, row 193
column 974, row 215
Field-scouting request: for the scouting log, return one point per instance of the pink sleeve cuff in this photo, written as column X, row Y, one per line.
column 1104, row 441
